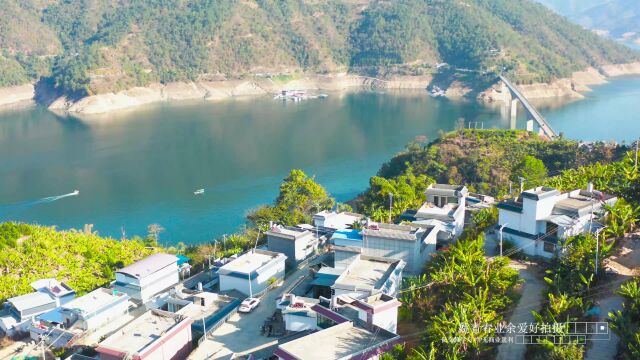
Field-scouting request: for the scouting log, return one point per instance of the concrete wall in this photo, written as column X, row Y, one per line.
column 149, row 286
column 342, row 259
column 258, row 283
column 295, row 250
column 105, row 316
column 299, row 323
column 386, row 319
column 529, row 246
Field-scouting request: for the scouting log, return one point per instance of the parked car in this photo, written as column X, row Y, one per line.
column 248, row 305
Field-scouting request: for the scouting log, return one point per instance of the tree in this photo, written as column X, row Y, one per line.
column 530, row 168
column 299, row 198
column 153, row 235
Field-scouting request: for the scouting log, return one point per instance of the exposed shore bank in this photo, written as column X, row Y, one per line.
column 574, row 87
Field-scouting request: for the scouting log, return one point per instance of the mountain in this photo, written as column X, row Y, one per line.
column 96, row 46
column 619, row 19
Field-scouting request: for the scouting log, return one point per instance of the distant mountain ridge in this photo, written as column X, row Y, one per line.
column 96, row 46
column 619, row 19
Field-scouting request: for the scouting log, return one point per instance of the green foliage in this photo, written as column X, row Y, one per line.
column 11, row 72
column 626, row 322
column 530, row 168
column 300, row 197
column 621, row 178
column 391, row 34
column 407, row 191
column 621, row 218
column 84, row 260
column 461, row 288
column 486, row 160
column 158, row 40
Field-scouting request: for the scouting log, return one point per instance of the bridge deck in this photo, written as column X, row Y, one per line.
column 544, row 125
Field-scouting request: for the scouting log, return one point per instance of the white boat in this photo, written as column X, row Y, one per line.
column 75, row 192
column 198, row 192
column 436, row 92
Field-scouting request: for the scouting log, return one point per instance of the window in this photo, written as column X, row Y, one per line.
column 441, row 201
column 549, row 247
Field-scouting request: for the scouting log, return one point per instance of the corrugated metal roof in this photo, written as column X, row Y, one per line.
column 31, row 300
column 149, row 265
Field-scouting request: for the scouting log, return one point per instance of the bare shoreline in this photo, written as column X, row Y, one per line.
column 574, row 87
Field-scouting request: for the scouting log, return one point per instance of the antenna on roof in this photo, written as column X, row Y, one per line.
column 521, row 183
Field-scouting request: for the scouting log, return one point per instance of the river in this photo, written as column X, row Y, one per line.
column 142, row 166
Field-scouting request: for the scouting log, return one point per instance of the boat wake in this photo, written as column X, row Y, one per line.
column 45, row 200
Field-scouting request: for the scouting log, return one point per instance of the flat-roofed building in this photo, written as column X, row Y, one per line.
column 154, row 335
column 368, row 275
column 20, row 310
column 252, row 272
column 207, row 310
column 445, row 203
column 409, row 243
column 95, row 309
column 379, row 310
column 148, row 277
column 341, row 341
column 540, row 217
column 295, row 243
column 334, row 220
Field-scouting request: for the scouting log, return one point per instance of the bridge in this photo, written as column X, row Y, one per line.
column 531, row 112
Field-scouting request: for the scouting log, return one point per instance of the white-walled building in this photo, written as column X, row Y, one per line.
column 95, row 309
column 295, row 243
column 336, row 220
column 252, row 272
column 367, row 275
column 410, row 243
column 148, row 277
column 542, row 216
column 379, row 310
column 20, row 310
column 446, row 204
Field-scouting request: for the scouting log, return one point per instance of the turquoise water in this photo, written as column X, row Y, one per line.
column 142, row 166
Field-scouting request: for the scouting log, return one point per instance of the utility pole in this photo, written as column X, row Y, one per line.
column 598, row 246
column 390, row 206
column 500, row 232
column 510, row 187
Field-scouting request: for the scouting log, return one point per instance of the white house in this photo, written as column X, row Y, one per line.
column 252, row 272
column 445, row 204
column 295, row 243
column 542, row 216
column 410, row 243
column 20, row 310
column 95, row 309
column 367, row 275
column 379, row 310
column 148, row 277
column 336, row 220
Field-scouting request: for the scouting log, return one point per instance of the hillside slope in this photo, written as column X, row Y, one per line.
column 618, row 19
column 91, row 46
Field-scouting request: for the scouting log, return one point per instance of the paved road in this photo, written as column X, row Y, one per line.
column 606, row 349
column 241, row 333
column 531, row 300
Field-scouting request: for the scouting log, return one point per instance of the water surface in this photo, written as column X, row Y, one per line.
column 142, row 166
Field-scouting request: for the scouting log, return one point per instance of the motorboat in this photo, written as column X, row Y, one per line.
column 198, row 192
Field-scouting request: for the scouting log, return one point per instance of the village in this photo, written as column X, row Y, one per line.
column 325, row 290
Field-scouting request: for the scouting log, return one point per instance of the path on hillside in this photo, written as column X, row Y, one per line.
column 606, row 349
column 531, row 300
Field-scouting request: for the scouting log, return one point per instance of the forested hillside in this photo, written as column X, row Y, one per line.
column 617, row 19
column 94, row 46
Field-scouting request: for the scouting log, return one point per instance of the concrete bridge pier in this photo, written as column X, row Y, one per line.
column 514, row 113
